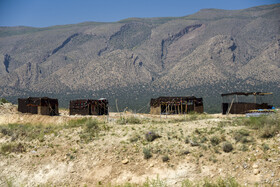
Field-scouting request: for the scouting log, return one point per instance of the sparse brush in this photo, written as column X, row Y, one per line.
column 12, row 147
column 76, row 123
column 92, row 125
column 165, row 158
column 267, row 126
column 244, row 148
column 129, row 120
column 121, row 121
column 213, row 158
column 134, row 120
column 92, row 129
column 203, row 139
column 197, row 131
column 269, row 131
column 216, row 150
column 134, row 138
column 187, row 140
column 229, row 182
column 187, row 183
column 227, row 147
column 147, row 153
column 265, row 147
column 194, row 117
column 194, row 141
column 204, row 147
column 151, row 136
column 153, row 183
column 28, row 131
column 3, row 100
column 215, row 140
column 247, row 140
column 186, row 152
column 241, row 135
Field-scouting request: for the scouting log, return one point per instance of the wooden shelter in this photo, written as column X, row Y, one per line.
column 38, row 105
column 89, row 107
column 243, row 102
column 176, row 105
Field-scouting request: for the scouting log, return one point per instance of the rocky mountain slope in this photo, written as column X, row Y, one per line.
column 204, row 54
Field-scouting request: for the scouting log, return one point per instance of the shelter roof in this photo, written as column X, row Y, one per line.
column 247, row 93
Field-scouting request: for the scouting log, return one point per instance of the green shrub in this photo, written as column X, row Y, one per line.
column 134, row 138
column 213, row 158
column 247, row 140
column 227, row 147
column 121, row 121
column 204, row 147
column 134, row 120
column 268, row 131
column 189, row 117
column 29, row 131
column 194, row 141
column 91, row 130
column 244, row 148
column 265, row 147
column 76, row 123
column 267, row 126
column 129, row 120
column 154, row 183
column 12, row 147
column 215, row 140
column 228, row 182
column 187, row 183
column 240, row 135
column 147, row 153
column 151, row 136
column 165, row 158
column 187, row 140
column 6, row 131
column 92, row 125
column 3, row 100
column 203, row 139
column 194, row 117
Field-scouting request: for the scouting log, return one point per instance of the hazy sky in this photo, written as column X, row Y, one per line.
column 42, row 13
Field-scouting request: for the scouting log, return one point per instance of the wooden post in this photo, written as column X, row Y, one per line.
column 230, row 106
column 166, row 109
column 39, row 110
column 169, row 109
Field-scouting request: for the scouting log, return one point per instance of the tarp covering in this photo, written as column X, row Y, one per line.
column 242, row 102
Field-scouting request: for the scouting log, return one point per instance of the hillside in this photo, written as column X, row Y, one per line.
column 129, row 149
column 204, row 54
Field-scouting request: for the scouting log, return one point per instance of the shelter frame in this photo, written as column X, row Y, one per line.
column 176, row 105
column 38, row 105
column 243, row 102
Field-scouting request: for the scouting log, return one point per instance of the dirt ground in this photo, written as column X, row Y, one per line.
column 115, row 155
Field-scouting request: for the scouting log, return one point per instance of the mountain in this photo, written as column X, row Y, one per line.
column 205, row 54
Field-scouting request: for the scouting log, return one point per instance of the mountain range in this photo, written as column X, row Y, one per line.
column 204, row 54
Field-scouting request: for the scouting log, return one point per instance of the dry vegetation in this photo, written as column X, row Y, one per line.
column 139, row 150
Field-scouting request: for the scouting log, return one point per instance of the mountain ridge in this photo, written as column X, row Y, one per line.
column 211, row 47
